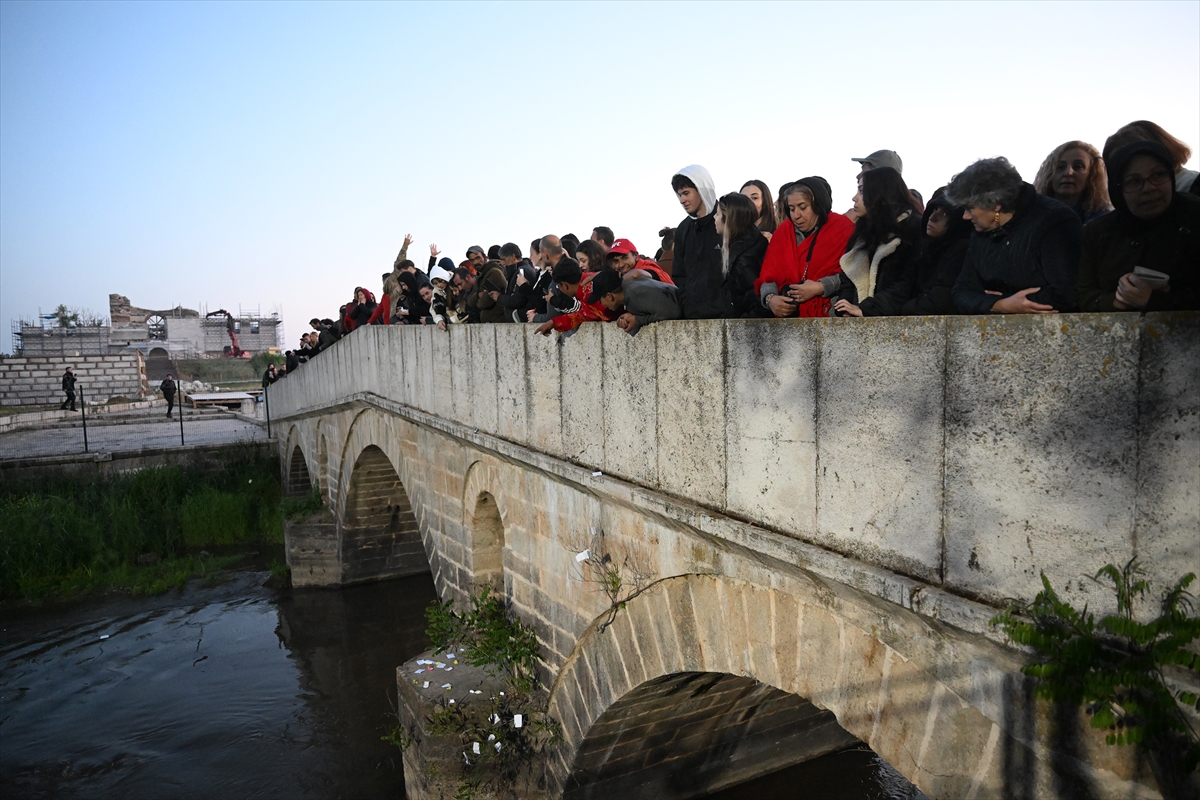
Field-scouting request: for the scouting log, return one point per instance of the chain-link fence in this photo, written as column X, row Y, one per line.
column 27, row 432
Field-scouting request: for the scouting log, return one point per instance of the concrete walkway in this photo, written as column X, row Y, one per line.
column 130, row 435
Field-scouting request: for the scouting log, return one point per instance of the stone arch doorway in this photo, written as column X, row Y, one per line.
column 795, row 638
column 487, row 543
column 159, row 365
column 379, row 535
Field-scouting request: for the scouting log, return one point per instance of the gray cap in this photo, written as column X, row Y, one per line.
column 475, row 249
column 883, row 158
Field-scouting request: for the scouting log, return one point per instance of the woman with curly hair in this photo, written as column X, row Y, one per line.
column 1074, row 174
column 1023, row 256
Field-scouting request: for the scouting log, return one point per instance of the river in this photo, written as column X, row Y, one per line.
column 241, row 691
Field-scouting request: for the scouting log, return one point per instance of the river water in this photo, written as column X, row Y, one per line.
column 240, row 691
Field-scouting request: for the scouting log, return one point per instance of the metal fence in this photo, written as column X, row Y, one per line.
column 33, row 433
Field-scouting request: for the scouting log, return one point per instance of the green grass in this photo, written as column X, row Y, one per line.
column 63, row 536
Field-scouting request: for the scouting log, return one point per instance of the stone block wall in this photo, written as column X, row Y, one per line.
column 37, row 380
column 970, row 453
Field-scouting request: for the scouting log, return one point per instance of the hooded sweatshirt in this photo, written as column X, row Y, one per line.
column 697, row 266
column 1116, row 243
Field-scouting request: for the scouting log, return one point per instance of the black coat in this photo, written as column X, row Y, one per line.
column 68, row 382
column 1117, row 242
column 895, row 277
column 515, row 298
column 697, row 270
column 938, row 264
column 745, row 262
column 1039, row 246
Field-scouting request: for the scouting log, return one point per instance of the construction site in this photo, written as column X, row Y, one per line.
column 179, row 333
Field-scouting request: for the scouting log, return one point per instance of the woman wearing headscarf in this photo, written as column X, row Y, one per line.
column 1074, row 174
column 877, row 274
column 1023, row 256
column 1153, row 226
column 940, row 257
column 804, row 253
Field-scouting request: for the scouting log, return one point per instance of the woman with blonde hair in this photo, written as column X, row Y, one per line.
column 1074, row 174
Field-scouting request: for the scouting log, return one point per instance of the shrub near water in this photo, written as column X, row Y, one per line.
column 60, row 536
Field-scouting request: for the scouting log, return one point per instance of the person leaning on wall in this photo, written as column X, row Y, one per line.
column 1023, row 256
column 1153, row 226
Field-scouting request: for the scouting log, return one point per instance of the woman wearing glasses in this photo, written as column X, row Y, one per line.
column 1023, row 255
column 1153, row 227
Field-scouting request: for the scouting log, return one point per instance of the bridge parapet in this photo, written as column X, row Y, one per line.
column 971, row 453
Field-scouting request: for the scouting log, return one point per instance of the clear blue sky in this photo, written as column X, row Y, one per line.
column 275, row 154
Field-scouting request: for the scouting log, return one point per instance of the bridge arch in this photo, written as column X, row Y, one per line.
column 793, row 642
column 484, row 506
column 297, row 478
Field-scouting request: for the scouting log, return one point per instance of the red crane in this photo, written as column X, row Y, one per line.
column 232, row 350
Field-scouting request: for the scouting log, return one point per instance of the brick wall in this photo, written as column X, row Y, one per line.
column 37, row 380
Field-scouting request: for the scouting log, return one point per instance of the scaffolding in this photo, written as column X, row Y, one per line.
column 35, row 338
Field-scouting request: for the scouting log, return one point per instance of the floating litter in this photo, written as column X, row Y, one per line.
column 475, row 748
column 456, row 661
column 491, row 737
column 502, row 694
column 418, row 672
column 422, row 661
column 439, row 665
column 466, row 759
column 495, row 719
column 426, row 686
column 449, row 668
column 517, row 721
column 497, row 747
column 103, row 636
column 451, row 702
column 597, row 474
column 584, row 556
column 445, row 686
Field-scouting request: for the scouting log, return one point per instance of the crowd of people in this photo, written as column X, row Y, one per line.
column 1111, row 230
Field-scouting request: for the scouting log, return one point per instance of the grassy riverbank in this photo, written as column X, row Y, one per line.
column 142, row 532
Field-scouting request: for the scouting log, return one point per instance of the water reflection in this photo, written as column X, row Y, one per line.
column 229, row 692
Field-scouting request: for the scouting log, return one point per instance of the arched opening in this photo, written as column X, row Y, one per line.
column 380, row 537
column 159, row 365
column 487, row 543
column 298, row 480
column 323, row 467
column 692, row 734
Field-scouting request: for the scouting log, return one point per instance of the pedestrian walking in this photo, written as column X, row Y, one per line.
column 68, row 386
column 167, row 387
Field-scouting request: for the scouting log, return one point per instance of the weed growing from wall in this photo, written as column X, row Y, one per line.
column 1125, row 673
column 504, row 737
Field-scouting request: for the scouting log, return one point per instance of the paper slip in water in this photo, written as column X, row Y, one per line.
column 597, row 474
column 103, row 636
column 426, row 686
column 584, row 556
column 497, row 747
column 445, row 686
column 475, row 748
column 517, row 721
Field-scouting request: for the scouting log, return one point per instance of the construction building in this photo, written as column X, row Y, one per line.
column 180, row 332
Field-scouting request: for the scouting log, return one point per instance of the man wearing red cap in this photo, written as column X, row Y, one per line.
column 624, row 258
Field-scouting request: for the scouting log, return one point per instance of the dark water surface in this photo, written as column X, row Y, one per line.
column 241, row 691
column 233, row 692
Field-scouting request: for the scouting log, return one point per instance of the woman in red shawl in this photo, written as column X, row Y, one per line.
column 807, row 247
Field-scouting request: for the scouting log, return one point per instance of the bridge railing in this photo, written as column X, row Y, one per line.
column 970, row 452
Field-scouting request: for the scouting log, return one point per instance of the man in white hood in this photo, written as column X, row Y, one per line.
column 697, row 267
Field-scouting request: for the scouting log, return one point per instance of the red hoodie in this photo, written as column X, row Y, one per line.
column 787, row 263
column 654, row 269
column 348, row 320
column 588, row 312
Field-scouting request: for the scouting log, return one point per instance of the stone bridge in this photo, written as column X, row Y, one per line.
column 827, row 514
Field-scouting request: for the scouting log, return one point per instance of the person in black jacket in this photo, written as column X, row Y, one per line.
column 742, row 249
column 167, row 387
column 697, row 265
column 1024, row 254
column 68, row 386
column 877, row 275
column 940, row 258
column 1153, row 226
column 521, row 277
